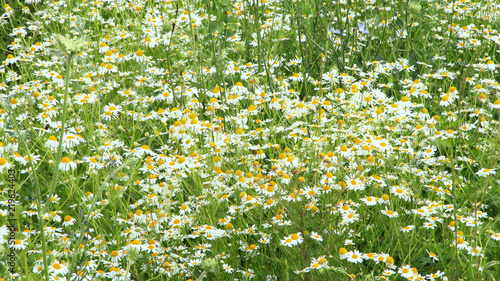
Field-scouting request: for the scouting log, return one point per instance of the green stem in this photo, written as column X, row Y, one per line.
column 61, row 135
column 69, row 60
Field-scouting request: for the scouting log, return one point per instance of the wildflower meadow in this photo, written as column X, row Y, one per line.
column 250, row 140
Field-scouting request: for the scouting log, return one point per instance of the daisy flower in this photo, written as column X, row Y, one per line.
column 227, row 268
column 408, row 228
column 139, row 56
column 343, row 253
column 10, row 60
column 57, row 268
column 20, row 244
column 406, row 271
column 67, row 164
column 297, row 238
column 355, row 184
column 111, row 111
column 495, row 105
column 432, row 255
column 117, row 274
column 433, row 276
column 384, row 199
column 389, row 213
column 485, row 172
column 311, row 192
column 316, row 236
column 292, row 240
column 370, row 201
column 355, row 256
column 401, row 192
column 320, row 262
column 388, row 272
column 349, row 242
column 296, row 77
column 269, row 203
column 4, row 164
column 184, row 208
column 495, row 236
column 461, row 243
column 176, row 221
column 68, row 220
column 248, row 274
column 350, row 217
column 475, row 251
column 429, row 225
column 52, row 143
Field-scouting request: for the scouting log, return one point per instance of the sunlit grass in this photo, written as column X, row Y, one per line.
column 266, row 140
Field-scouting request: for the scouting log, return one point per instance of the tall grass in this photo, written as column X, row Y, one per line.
column 267, row 140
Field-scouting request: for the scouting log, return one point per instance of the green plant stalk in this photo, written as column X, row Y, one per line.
column 61, row 135
column 202, row 275
column 69, row 60
column 194, row 46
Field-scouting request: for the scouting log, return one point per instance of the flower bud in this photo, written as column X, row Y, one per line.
column 210, row 265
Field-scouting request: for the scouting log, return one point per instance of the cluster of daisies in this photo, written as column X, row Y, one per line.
column 201, row 139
